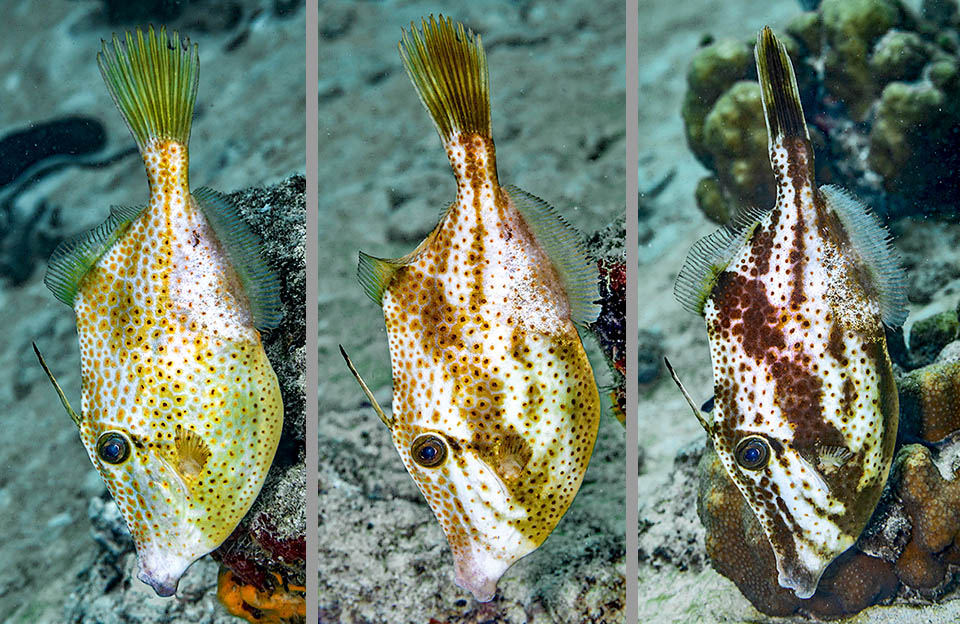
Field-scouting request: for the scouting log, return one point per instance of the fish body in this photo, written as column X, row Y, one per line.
column 180, row 411
column 495, row 408
column 795, row 301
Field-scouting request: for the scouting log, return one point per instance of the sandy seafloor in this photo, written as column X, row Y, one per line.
column 670, row 32
column 556, row 72
column 248, row 130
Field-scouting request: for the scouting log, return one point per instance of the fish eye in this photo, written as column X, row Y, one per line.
column 429, row 451
column 113, row 448
column 753, row 453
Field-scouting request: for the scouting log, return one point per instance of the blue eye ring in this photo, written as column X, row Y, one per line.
column 428, row 451
column 752, row 453
column 113, row 448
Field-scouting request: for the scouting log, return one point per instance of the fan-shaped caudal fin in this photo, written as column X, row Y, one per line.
column 448, row 67
column 153, row 81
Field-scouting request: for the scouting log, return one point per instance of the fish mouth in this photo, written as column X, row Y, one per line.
column 478, row 573
column 802, row 575
column 162, row 570
column 479, row 565
column 803, row 581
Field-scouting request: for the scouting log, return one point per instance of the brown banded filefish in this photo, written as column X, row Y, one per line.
column 795, row 300
column 495, row 407
column 180, row 409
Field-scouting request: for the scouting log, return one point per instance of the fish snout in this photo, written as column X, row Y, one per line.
column 164, row 586
column 478, row 573
column 162, row 571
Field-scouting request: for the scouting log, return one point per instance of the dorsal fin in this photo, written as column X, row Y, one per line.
column 153, row 82
column 708, row 258
column 74, row 257
column 686, row 395
column 243, row 248
column 388, row 421
column 448, row 67
column 75, row 417
column 778, row 89
column 566, row 250
column 872, row 246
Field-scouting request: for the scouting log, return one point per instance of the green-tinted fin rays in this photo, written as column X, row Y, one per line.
column 153, row 82
column 778, row 89
column 566, row 250
column 74, row 257
column 872, row 243
column 375, row 275
column 448, row 67
column 709, row 256
column 242, row 247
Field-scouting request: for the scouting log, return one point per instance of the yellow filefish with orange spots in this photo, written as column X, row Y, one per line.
column 495, row 408
column 180, row 410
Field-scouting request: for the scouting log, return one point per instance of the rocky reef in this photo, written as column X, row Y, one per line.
column 880, row 86
column 610, row 329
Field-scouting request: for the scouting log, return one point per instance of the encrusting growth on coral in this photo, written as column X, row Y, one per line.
column 281, row 604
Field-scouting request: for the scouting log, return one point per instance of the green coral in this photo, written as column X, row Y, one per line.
column 851, row 28
column 806, row 29
column 710, row 74
column 712, row 202
column 899, row 55
column 912, row 132
column 735, row 135
column 880, row 88
column 929, row 335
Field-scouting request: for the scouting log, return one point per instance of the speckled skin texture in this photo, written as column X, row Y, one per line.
column 170, row 358
column 484, row 354
column 495, row 408
column 909, row 549
column 800, row 366
column 805, row 367
column 739, row 550
column 181, row 411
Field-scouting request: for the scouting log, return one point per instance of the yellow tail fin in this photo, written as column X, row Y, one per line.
column 448, row 67
column 153, row 81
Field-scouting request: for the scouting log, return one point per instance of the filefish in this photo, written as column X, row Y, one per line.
column 495, row 408
column 180, row 409
column 795, row 300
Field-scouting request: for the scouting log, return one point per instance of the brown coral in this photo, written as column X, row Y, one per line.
column 740, row 551
column 920, row 500
column 929, row 397
column 933, row 504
